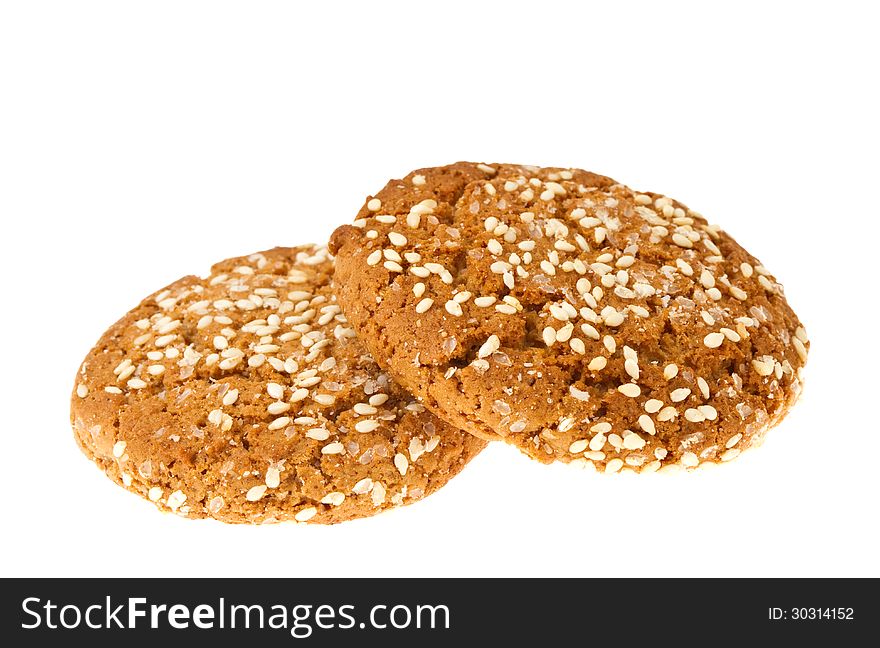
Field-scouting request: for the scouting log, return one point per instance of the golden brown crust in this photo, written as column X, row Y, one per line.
column 570, row 316
column 246, row 397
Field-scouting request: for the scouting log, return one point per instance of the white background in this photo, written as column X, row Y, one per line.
column 140, row 142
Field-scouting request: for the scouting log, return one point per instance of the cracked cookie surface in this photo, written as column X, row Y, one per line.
column 246, row 397
column 570, row 316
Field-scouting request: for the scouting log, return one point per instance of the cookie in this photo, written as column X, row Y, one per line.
column 570, row 316
column 246, row 397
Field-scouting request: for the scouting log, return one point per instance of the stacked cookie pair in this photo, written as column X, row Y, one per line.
column 553, row 309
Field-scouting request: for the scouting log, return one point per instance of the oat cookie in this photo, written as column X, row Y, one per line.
column 246, row 397
column 570, row 315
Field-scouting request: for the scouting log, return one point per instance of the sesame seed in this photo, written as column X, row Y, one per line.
column 713, row 340
column 484, row 302
column 708, row 411
column 279, row 423
column 733, row 453
column 277, row 407
column 273, row 477
column 577, row 345
column 333, row 499
column 670, row 371
column 401, row 463
column 564, row 333
column 136, row 383
column 324, row 399
column 275, row 390
column 647, row 424
column 306, row 514
column 397, row 239
column 578, row 446
column 681, row 240
column 667, row 414
column 632, row 368
column 763, row 366
column 633, row 441
column 453, row 308
column 112, row 390
column 419, row 181
column 707, row 279
column 739, row 293
column 392, row 266
column 642, row 199
column 364, row 409
column 597, row 364
column 614, row 466
column 119, row 449
column 578, row 394
column 629, row 389
column 689, row 460
column 424, row 305
column 558, row 312
column 155, row 494
column 704, row 387
column 318, row 434
column 685, row 267
column 799, row 348
column 489, row 347
column 549, row 335
column 367, row 425
column 694, row 415
column 333, row 448
column 678, row 395
column 82, row 390
column 374, row 204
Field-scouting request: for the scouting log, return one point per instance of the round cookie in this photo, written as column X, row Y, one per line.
column 246, row 397
column 570, row 315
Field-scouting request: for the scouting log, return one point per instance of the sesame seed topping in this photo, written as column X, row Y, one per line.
column 279, row 423
column 597, row 364
column 333, row 499
column 647, row 424
column 374, row 204
column 453, row 308
column 367, row 425
column 397, row 239
column 333, row 448
column 614, row 465
column 489, row 347
column 713, row 340
column 401, row 463
column 629, row 389
column 82, row 390
column 306, row 514
column 425, row 304
column 578, row 446
column 318, row 434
